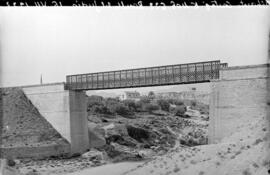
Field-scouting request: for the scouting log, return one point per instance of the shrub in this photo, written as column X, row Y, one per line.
column 193, row 103
column 142, row 104
column 151, row 107
column 103, row 110
column 180, row 110
column 130, row 104
column 172, row 109
column 151, row 95
column 145, row 99
column 94, row 100
column 179, row 102
column 203, row 108
column 122, row 110
column 111, row 101
column 171, row 101
column 138, row 106
column 11, row 162
column 164, row 104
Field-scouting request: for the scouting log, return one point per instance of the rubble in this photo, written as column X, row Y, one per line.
column 126, row 138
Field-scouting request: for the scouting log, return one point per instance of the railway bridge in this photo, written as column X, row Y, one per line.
column 199, row 72
column 236, row 92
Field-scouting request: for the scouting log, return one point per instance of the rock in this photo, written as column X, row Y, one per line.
column 104, row 120
column 146, row 153
column 110, row 126
column 138, row 133
column 205, row 117
column 96, row 135
column 186, row 115
column 5, row 169
column 74, row 155
column 33, row 172
column 11, row 162
column 123, row 153
column 159, row 113
column 17, row 161
column 93, row 155
column 119, row 134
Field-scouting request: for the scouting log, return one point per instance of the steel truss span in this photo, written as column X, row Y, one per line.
column 150, row 76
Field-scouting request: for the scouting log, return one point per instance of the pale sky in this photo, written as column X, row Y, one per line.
column 56, row 42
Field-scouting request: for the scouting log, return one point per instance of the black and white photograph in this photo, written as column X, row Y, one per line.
column 166, row 90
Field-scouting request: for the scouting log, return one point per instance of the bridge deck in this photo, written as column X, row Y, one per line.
column 143, row 77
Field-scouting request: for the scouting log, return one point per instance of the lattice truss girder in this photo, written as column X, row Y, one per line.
column 152, row 76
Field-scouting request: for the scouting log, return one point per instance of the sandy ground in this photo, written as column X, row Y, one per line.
column 111, row 169
column 245, row 152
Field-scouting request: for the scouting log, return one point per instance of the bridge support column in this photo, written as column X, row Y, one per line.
column 239, row 96
column 65, row 110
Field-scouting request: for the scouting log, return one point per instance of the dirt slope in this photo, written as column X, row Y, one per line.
column 21, row 123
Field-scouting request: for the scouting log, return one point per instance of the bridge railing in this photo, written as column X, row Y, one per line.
column 142, row 77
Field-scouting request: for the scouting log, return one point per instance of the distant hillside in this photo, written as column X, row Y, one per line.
column 200, row 96
column 201, row 87
column 102, row 93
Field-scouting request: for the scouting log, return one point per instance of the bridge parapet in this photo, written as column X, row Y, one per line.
column 243, row 72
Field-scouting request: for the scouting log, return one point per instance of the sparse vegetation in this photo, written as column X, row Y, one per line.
column 238, row 152
column 176, row 169
column 255, row 165
column 113, row 106
column 179, row 102
column 201, row 173
column 257, row 141
column 180, row 110
column 246, row 172
column 217, row 163
column 193, row 162
column 123, row 110
column 151, row 107
column 193, row 104
column 164, row 104
column 131, row 104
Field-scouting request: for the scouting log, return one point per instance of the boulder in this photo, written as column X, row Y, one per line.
column 205, row 117
column 138, row 133
column 118, row 133
column 109, row 126
column 93, row 155
column 120, row 153
column 96, row 135
column 159, row 113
